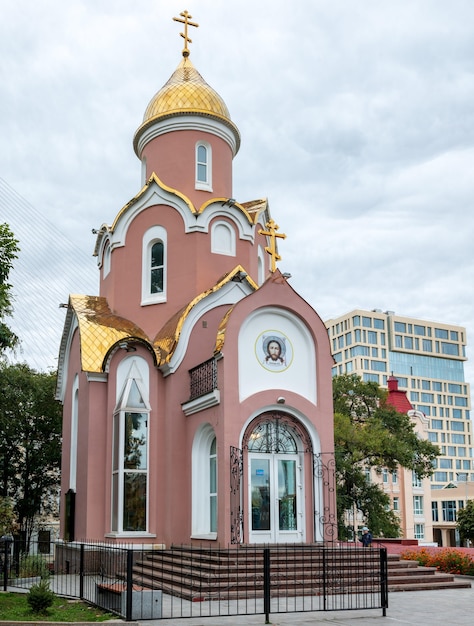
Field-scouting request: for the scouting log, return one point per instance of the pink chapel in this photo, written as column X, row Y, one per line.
column 196, row 386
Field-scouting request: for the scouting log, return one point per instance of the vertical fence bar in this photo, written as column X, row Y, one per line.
column 6, row 549
column 266, row 584
column 129, row 596
column 384, row 580
column 81, row 572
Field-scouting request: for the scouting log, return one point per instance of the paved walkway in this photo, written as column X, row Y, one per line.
column 420, row 608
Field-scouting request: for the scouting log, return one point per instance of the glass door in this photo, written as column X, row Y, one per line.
column 275, row 492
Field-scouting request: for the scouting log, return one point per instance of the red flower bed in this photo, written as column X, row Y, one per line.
column 452, row 560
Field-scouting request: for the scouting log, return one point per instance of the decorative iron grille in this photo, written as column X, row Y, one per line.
column 203, row 378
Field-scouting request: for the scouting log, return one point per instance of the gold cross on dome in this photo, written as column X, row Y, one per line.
column 271, row 249
column 187, row 22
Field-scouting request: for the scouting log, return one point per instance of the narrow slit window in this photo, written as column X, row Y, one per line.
column 157, row 267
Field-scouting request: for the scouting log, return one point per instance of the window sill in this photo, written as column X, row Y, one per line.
column 201, row 403
column 210, row 536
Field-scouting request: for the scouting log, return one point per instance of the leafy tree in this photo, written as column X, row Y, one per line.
column 465, row 523
column 30, row 442
column 8, row 252
column 7, row 516
column 370, row 433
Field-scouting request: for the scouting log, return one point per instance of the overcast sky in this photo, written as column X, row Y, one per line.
column 357, row 123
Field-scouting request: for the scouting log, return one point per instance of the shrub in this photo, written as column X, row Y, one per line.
column 448, row 560
column 40, row 597
column 33, row 565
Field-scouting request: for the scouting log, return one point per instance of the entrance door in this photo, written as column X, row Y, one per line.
column 275, row 493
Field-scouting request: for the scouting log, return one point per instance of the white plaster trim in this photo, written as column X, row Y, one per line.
column 97, row 377
column 70, row 325
column 216, row 209
column 210, row 536
column 230, row 294
column 188, row 122
column 154, row 195
column 202, row 403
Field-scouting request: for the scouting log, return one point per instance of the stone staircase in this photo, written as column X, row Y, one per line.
column 409, row 576
column 200, row 574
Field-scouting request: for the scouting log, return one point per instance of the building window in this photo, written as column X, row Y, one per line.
column 154, row 266
column 449, row 510
column 157, row 267
column 203, row 166
column 418, row 505
column 419, row 531
column 434, row 511
column 378, row 323
column 213, row 487
column 400, row 327
column 396, row 504
column 130, row 454
column 415, row 480
column 204, row 483
column 394, row 477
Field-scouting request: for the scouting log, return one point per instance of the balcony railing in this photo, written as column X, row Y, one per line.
column 203, row 378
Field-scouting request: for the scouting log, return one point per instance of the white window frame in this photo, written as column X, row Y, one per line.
column 201, row 480
column 203, row 185
column 138, row 373
column 153, row 235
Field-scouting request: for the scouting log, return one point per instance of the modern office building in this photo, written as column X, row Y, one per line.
column 428, row 359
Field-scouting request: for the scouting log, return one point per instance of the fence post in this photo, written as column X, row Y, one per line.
column 6, row 550
column 81, row 572
column 128, row 610
column 266, row 584
column 384, row 580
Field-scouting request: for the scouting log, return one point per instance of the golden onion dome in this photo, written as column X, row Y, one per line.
column 186, row 93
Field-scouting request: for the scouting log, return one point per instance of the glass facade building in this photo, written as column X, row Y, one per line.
column 428, row 359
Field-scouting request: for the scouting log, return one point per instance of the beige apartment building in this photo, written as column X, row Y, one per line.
column 427, row 358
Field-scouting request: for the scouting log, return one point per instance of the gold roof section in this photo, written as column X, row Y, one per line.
column 100, row 330
column 167, row 338
column 220, row 338
column 186, row 93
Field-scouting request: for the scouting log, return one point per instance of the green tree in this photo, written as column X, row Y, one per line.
column 7, row 516
column 370, row 433
column 8, row 252
column 30, row 442
column 465, row 518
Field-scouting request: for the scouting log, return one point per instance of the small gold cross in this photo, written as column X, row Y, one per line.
column 271, row 232
column 186, row 21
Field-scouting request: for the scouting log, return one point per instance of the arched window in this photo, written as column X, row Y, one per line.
column 157, row 267
column 213, row 486
column 204, row 486
column 154, row 266
column 203, row 166
column 107, row 259
column 222, row 239
column 130, row 450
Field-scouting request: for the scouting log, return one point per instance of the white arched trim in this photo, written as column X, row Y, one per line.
column 74, row 431
column 202, row 467
column 229, row 294
column 154, row 235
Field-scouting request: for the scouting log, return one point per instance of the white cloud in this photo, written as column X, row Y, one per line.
column 357, row 122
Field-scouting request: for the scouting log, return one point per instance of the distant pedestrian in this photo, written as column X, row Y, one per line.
column 366, row 537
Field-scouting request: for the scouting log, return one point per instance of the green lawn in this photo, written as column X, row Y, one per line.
column 15, row 608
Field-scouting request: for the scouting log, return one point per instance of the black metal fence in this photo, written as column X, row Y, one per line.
column 138, row 582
